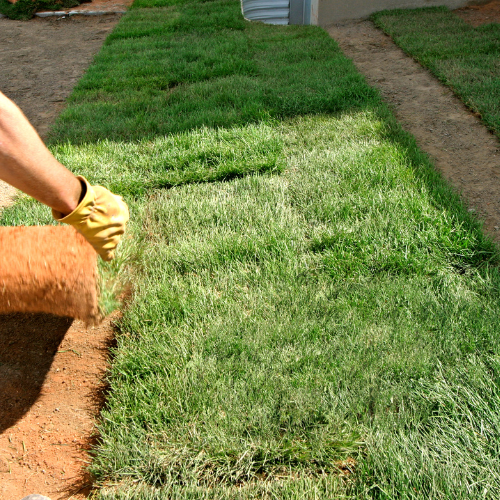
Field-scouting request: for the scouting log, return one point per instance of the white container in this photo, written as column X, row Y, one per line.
column 267, row 11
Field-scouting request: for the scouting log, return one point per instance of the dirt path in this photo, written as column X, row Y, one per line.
column 41, row 61
column 460, row 145
column 51, row 369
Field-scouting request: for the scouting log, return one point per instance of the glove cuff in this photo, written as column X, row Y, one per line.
column 83, row 209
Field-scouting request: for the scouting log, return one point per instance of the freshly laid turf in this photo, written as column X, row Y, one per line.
column 282, row 324
column 461, row 56
column 175, row 69
column 314, row 313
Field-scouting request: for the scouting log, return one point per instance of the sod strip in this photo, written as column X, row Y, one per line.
column 193, row 65
column 324, row 326
column 283, row 326
column 461, row 56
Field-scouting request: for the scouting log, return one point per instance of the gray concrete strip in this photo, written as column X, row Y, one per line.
column 52, row 13
column 95, row 12
column 460, row 145
column 62, row 13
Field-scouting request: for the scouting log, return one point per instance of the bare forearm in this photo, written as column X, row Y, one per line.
column 25, row 163
column 28, row 165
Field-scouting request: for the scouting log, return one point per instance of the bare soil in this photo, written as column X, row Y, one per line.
column 477, row 15
column 466, row 153
column 51, row 368
column 52, row 388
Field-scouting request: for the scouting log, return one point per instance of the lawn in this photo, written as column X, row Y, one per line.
column 313, row 311
column 461, row 56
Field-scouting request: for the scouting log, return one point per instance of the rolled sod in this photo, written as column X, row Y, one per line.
column 46, row 269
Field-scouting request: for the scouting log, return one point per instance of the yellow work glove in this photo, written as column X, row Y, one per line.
column 100, row 217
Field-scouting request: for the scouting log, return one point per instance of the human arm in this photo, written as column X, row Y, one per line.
column 27, row 164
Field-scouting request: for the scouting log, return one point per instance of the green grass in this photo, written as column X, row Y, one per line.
column 463, row 57
column 314, row 312
column 170, row 70
column 281, row 324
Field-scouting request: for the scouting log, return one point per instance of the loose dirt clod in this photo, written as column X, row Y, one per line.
column 48, row 270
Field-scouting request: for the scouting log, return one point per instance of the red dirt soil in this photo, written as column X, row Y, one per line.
column 52, row 389
column 477, row 15
column 51, row 368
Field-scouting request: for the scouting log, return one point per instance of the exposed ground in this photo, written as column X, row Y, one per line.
column 51, row 369
column 477, row 15
column 51, row 388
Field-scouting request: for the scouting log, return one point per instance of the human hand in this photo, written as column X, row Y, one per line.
column 100, row 217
